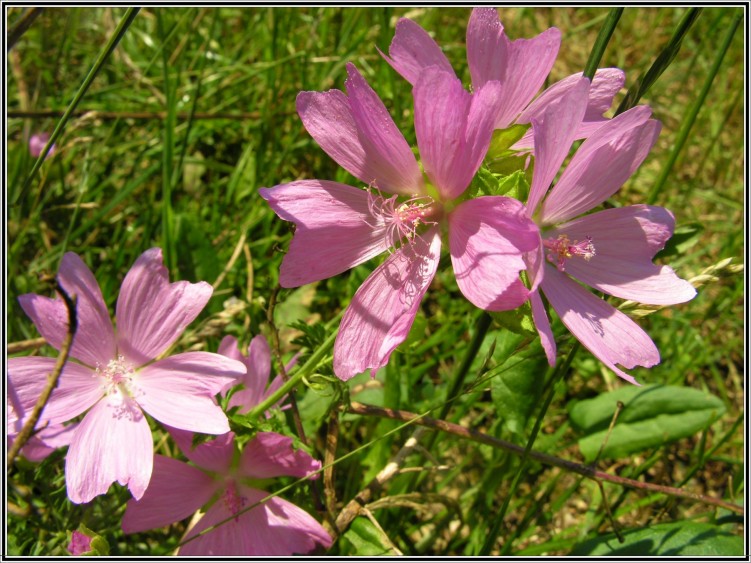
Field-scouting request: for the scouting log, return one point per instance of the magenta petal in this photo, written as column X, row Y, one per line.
column 176, row 491
column 412, row 50
column 273, row 455
column 258, row 364
column 487, row 237
column 487, row 47
column 112, row 443
column 553, row 137
column 276, row 527
column 78, row 387
column 606, row 332
column 625, row 240
column 151, row 312
column 542, row 324
column 336, row 229
column 230, row 348
column 382, row 311
column 453, row 129
column 179, row 390
column 214, row 455
column 94, row 340
column 601, row 165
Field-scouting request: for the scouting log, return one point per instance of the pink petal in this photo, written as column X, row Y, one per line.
column 179, row 390
column 214, row 455
column 358, row 132
column 521, row 66
column 258, row 364
column 412, row 50
column 382, row 311
column 601, row 165
column 230, row 348
column 336, row 229
column 625, row 240
column 78, row 387
column 112, row 443
column 453, row 129
column 553, row 137
column 151, row 312
column 542, row 324
column 273, row 455
column 276, row 527
column 94, row 340
column 176, row 491
column 487, row 237
column 606, row 332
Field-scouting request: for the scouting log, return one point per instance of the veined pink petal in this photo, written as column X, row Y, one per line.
column 553, row 137
column 214, row 455
column 179, row 390
column 276, row 527
column 521, row 66
column 382, row 311
column 601, row 165
column 229, row 347
column 112, row 443
column 78, row 387
column 453, row 129
column 151, row 312
column 606, row 332
column 273, row 455
column 94, row 340
column 336, row 229
column 487, row 237
column 360, row 135
column 176, row 491
column 412, row 50
column 255, row 380
column 542, row 324
column 625, row 240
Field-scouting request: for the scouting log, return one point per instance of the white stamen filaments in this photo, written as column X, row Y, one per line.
column 118, row 376
column 403, row 219
column 561, row 249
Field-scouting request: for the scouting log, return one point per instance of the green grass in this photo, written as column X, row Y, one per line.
column 150, row 169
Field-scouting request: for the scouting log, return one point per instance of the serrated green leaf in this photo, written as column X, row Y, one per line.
column 365, row 538
column 482, row 184
column 652, row 415
column 671, row 539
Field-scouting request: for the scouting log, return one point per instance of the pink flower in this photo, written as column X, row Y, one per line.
column 340, row 226
column 79, row 543
column 224, row 483
column 37, row 143
column 610, row 250
column 116, row 378
column 520, row 66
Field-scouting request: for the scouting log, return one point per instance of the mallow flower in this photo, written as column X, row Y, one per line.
column 609, row 250
column 117, row 377
column 225, row 485
column 400, row 211
column 520, row 66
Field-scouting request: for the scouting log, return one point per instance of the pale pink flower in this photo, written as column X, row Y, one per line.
column 340, row 226
column 520, row 66
column 224, row 484
column 37, row 143
column 610, row 250
column 116, row 378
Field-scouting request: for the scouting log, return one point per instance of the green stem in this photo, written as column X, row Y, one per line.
column 122, row 27
column 606, row 32
column 693, row 111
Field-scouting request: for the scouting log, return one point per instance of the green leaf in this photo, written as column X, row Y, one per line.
column 365, row 538
column 671, row 539
column 503, row 139
column 482, row 184
column 519, row 320
column 652, row 415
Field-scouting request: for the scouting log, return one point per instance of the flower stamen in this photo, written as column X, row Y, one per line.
column 561, row 249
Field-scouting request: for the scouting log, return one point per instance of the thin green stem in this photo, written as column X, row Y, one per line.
column 603, row 38
column 104, row 54
column 693, row 111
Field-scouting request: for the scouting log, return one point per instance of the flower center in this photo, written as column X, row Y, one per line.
column 118, row 376
column 561, row 249
column 232, row 501
column 403, row 219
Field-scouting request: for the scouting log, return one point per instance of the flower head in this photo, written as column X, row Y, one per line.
column 116, row 378
column 610, row 250
column 79, row 543
column 225, row 485
column 401, row 211
column 37, row 142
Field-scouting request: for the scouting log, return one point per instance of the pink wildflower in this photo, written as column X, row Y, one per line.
column 520, row 66
column 79, row 543
column 227, row 485
column 339, row 226
column 610, row 250
column 116, row 377
column 37, row 143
